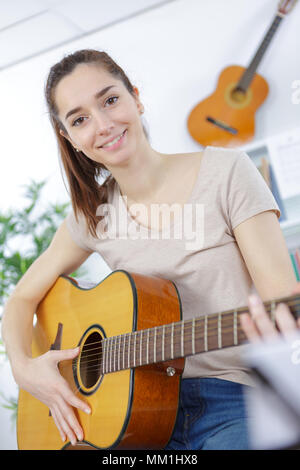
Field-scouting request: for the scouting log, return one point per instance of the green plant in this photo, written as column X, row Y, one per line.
column 11, row 403
column 24, row 234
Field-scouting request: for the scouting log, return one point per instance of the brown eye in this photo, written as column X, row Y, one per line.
column 77, row 121
column 112, row 98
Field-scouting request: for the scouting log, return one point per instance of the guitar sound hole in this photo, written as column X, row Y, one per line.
column 238, row 95
column 91, row 360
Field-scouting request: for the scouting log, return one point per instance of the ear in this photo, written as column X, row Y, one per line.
column 66, row 137
column 63, row 134
column 137, row 99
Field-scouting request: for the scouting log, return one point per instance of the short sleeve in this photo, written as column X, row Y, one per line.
column 247, row 192
column 78, row 231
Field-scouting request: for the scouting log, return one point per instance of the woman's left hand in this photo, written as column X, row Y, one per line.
column 258, row 325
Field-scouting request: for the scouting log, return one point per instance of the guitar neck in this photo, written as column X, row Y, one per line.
column 249, row 73
column 181, row 339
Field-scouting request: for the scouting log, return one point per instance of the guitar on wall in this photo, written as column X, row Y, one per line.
column 132, row 348
column 226, row 118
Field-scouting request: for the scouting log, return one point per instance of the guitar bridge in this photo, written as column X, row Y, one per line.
column 222, row 125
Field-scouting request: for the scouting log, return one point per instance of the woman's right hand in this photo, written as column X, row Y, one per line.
column 40, row 377
column 258, row 326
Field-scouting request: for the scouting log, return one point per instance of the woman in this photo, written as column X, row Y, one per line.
column 96, row 115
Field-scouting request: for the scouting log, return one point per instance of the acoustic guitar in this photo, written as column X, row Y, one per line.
column 226, row 118
column 133, row 342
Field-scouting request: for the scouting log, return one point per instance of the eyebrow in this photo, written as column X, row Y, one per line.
column 97, row 95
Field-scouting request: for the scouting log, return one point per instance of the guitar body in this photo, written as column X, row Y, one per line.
column 134, row 408
column 132, row 348
column 234, row 109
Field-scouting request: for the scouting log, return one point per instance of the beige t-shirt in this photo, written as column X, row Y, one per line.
column 197, row 250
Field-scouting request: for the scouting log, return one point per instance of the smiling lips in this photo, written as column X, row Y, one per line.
column 113, row 142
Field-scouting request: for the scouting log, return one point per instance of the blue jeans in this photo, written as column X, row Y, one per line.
column 212, row 416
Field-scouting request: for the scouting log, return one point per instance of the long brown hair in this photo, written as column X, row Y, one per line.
column 82, row 173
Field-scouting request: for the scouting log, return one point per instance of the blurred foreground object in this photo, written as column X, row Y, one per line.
column 274, row 404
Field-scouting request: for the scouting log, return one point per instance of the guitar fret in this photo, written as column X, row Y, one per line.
column 111, row 353
column 163, row 343
column 105, row 359
column 124, row 351
column 205, row 334
column 141, row 336
column 119, row 368
column 134, row 349
column 110, row 343
column 193, row 336
column 235, row 332
column 129, row 336
column 108, row 346
column 154, row 347
column 147, row 352
column 103, row 355
column 107, row 354
column 115, row 350
column 172, row 341
column 219, row 331
column 116, row 354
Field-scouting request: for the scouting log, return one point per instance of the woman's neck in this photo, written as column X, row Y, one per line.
column 141, row 178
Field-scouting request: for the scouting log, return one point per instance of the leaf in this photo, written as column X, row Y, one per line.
column 25, row 235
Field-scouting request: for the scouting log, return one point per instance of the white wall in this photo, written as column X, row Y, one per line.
column 174, row 55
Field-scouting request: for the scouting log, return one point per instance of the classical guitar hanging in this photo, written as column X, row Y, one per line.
column 227, row 117
column 132, row 347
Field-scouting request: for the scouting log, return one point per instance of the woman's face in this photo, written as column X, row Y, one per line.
column 101, row 117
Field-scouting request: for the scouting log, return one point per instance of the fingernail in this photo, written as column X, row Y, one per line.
column 87, row 410
column 254, row 300
column 282, row 306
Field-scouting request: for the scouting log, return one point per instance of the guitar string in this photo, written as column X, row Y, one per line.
column 159, row 329
column 126, row 338
column 123, row 343
column 116, row 356
column 115, row 348
column 117, row 363
column 187, row 325
column 99, row 368
column 159, row 333
column 115, row 351
column 139, row 352
column 114, row 368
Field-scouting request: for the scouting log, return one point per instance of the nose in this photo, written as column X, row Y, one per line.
column 103, row 123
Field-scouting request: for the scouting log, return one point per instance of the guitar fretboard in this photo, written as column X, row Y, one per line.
column 170, row 341
column 180, row 339
column 249, row 73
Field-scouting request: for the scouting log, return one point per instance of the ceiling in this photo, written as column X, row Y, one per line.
column 31, row 27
